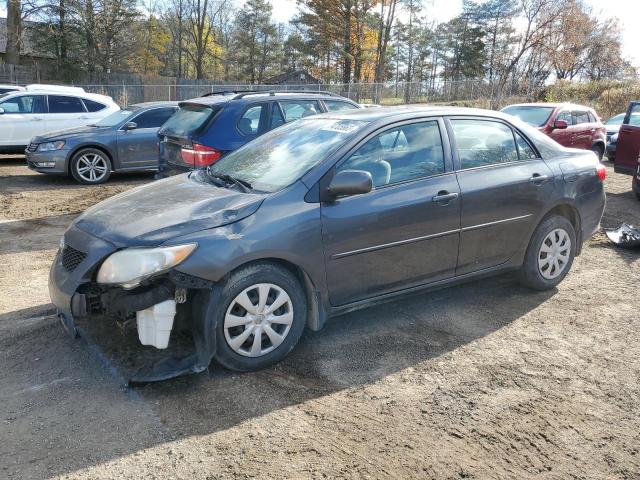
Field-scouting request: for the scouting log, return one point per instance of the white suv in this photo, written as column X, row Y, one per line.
column 41, row 109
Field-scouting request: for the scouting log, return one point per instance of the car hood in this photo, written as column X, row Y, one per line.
column 611, row 129
column 154, row 213
column 69, row 133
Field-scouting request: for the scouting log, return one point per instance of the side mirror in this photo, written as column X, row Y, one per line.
column 130, row 126
column 350, row 182
column 1, row 110
column 560, row 124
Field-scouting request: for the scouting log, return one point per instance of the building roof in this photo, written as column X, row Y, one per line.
column 298, row 75
column 29, row 48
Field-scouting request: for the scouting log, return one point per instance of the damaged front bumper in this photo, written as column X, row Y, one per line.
column 153, row 306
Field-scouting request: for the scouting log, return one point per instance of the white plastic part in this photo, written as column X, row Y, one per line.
column 155, row 324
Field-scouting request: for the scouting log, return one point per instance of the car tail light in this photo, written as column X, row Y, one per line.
column 200, row 155
column 601, row 171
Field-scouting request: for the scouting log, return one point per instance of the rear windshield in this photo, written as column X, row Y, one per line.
column 188, row 119
column 536, row 116
column 283, row 155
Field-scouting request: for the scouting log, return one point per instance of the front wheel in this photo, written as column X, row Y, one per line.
column 91, row 166
column 550, row 253
column 262, row 314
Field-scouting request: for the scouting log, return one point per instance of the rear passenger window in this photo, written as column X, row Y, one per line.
column 401, row 154
column 336, row 105
column 93, row 106
column 483, row 142
column 249, row 123
column 580, row 117
column 153, row 118
column 62, row 104
column 296, row 109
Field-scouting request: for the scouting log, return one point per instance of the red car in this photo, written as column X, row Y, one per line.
column 574, row 126
column 628, row 146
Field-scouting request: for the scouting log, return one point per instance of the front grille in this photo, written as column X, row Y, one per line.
column 71, row 258
column 32, row 147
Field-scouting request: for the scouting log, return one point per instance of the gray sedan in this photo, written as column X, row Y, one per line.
column 124, row 141
column 320, row 217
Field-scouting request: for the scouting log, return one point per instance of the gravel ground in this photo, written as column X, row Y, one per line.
column 483, row 380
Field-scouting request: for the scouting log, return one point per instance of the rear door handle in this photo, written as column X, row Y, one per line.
column 444, row 197
column 538, row 179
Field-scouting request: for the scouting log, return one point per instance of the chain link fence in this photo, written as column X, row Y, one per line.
column 389, row 93
column 127, row 89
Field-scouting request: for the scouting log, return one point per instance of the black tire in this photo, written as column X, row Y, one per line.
column 530, row 274
column 79, row 161
column 598, row 150
column 635, row 185
column 240, row 280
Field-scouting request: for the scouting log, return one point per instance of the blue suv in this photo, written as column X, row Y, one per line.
column 205, row 129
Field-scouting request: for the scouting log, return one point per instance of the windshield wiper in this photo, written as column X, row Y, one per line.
column 241, row 184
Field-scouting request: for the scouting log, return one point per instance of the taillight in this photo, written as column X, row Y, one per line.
column 200, row 155
column 601, row 171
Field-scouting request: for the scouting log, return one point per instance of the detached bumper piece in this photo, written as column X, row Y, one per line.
column 626, row 236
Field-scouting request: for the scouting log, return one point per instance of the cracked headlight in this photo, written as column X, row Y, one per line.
column 130, row 266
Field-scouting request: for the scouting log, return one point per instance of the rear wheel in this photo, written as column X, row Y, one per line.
column 550, row 253
column 262, row 315
column 91, row 166
column 598, row 150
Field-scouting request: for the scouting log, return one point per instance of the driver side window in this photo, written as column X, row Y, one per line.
column 400, row 154
column 566, row 116
column 24, row 104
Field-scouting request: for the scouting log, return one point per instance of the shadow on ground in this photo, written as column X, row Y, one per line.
column 353, row 350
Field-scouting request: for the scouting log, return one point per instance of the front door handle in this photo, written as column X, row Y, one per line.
column 538, row 179
column 444, row 197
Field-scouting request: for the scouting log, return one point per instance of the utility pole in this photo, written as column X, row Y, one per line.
column 179, row 38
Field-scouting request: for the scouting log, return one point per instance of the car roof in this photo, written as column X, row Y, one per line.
column 223, row 97
column 552, row 105
column 68, row 93
column 410, row 111
column 7, row 85
column 154, row 104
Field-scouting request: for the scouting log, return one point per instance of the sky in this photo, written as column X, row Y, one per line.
column 628, row 11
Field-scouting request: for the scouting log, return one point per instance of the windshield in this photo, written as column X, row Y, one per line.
column 283, row 155
column 536, row 116
column 115, row 118
column 617, row 120
column 188, row 119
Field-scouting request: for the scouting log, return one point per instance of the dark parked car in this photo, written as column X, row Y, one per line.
column 573, row 126
column 205, row 129
column 323, row 216
column 628, row 141
column 126, row 140
column 613, row 125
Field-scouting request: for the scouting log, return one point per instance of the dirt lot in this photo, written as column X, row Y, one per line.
column 484, row 380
